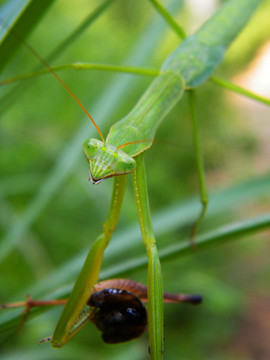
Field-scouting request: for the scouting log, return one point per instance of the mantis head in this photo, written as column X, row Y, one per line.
column 106, row 160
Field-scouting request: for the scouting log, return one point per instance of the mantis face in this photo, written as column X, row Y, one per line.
column 106, row 160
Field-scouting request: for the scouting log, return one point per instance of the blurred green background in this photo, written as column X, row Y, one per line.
column 50, row 214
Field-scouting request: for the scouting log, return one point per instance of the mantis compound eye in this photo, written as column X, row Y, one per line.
column 125, row 164
column 91, row 147
column 118, row 314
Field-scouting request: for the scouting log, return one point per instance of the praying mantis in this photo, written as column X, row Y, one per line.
column 190, row 65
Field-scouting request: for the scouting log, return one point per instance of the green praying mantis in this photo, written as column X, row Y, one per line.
column 192, row 63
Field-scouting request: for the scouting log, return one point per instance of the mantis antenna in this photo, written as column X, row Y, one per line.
column 33, row 51
column 134, row 142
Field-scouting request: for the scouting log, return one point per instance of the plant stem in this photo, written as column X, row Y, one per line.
column 238, row 89
column 85, row 66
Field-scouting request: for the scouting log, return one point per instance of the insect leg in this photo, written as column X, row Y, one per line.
column 199, row 165
column 154, row 282
column 67, row 325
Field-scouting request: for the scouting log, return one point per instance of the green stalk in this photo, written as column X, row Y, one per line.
column 169, row 19
column 239, row 90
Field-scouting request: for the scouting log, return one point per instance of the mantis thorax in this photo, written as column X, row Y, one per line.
column 106, row 160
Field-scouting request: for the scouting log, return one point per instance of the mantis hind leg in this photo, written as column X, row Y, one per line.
column 196, row 136
column 199, row 165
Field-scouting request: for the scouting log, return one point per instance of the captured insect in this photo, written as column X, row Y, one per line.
column 119, row 315
column 115, row 307
column 122, row 153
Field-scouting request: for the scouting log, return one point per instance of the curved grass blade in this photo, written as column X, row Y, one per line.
column 164, row 222
column 222, row 235
column 10, row 97
column 23, row 25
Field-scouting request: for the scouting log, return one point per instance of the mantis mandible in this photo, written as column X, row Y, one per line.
column 123, row 152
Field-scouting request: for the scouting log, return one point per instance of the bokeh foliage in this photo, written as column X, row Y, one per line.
column 50, row 214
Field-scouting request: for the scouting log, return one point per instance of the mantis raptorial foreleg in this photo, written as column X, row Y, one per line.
column 89, row 274
column 154, row 282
